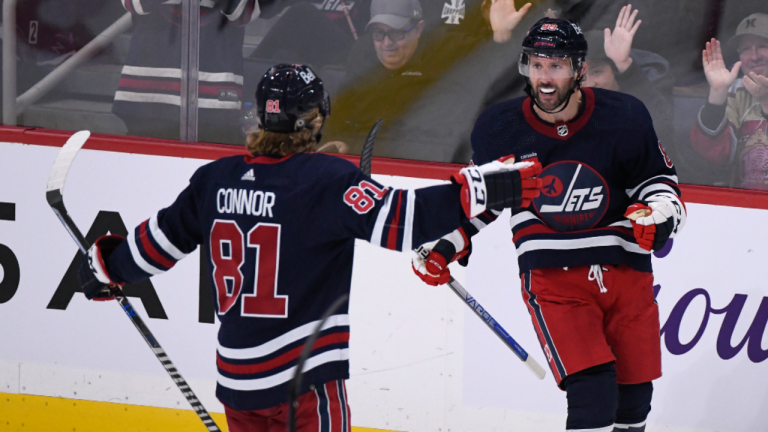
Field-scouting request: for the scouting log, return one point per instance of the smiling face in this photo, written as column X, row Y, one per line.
column 551, row 80
column 753, row 53
column 395, row 54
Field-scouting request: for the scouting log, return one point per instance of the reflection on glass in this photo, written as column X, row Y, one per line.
column 428, row 68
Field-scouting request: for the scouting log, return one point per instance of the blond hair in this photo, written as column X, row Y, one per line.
column 264, row 142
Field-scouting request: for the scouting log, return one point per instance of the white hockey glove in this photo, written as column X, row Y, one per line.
column 498, row 185
column 656, row 220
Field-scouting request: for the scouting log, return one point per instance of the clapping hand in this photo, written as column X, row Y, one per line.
column 504, row 18
column 619, row 43
column 757, row 86
column 718, row 76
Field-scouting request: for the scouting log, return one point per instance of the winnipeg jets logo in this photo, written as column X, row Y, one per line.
column 562, row 130
column 574, row 196
column 454, row 11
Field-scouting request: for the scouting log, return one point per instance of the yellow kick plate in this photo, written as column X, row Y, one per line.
column 25, row 413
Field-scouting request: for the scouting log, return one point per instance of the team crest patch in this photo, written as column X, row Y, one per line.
column 574, row 197
column 562, row 130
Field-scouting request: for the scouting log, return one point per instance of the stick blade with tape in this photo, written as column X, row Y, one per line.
column 64, row 160
column 366, row 156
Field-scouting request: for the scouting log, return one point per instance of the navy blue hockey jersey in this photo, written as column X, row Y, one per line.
column 279, row 236
column 594, row 167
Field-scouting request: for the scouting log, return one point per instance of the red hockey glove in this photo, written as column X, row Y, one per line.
column 431, row 265
column 653, row 224
column 498, row 185
column 93, row 274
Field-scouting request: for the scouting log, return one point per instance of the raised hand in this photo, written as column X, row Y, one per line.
column 504, row 18
column 718, row 76
column 619, row 43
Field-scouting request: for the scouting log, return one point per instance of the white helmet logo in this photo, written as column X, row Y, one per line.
column 307, row 76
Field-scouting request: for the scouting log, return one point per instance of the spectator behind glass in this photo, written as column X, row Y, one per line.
column 509, row 24
column 395, row 36
column 148, row 96
column 731, row 132
column 385, row 71
column 613, row 64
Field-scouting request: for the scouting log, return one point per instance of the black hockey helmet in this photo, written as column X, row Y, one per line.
column 285, row 93
column 554, row 38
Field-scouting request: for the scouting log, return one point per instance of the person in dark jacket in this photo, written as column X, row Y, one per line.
column 613, row 64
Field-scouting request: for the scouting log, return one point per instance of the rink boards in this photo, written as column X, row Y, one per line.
column 420, row 360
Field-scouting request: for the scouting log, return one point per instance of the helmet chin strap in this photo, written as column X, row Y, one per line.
column 529, row 91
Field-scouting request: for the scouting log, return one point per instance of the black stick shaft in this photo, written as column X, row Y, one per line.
column 56, row 201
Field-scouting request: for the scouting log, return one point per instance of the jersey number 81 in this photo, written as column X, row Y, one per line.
column 227, row 249
column 361, row 202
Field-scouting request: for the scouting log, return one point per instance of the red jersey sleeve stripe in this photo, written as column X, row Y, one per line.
column 150, row 249
column 394, row 226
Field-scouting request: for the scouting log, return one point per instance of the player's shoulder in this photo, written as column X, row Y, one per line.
column 620, row 110
column 502, row 110
column 326, row 165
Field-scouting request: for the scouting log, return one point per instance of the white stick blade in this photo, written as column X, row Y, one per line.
column 64, row 160
column 535, row 367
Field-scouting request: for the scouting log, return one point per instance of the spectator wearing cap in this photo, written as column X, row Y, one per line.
column 731, row 131
column 613, row 64
column 385, row 74
column 395, row 28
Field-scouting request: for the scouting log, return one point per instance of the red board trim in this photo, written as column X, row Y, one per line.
column 396, row 167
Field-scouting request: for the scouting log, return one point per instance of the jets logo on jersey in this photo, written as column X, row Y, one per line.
column 574, row 196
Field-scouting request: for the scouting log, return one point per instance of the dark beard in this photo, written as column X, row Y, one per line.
column 561, row 98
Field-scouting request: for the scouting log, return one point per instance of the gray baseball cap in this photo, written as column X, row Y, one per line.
column 394, row 13
column 755, row 24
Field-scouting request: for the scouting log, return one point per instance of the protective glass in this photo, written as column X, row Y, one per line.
column 394, row 35
column 553, row 67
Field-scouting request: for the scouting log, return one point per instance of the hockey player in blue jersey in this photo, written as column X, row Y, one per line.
column 585, row 266
column 277, row 227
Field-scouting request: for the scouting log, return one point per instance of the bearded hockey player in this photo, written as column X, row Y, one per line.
column 585, row 267
column 277, row 227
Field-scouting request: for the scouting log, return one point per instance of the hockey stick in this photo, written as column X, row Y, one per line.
column 366, row 156
column 295, row 386
column 55, row 196
column 483, row 313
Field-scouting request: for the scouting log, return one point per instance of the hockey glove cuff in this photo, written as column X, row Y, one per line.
column 93, row 273
column 498, row 185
